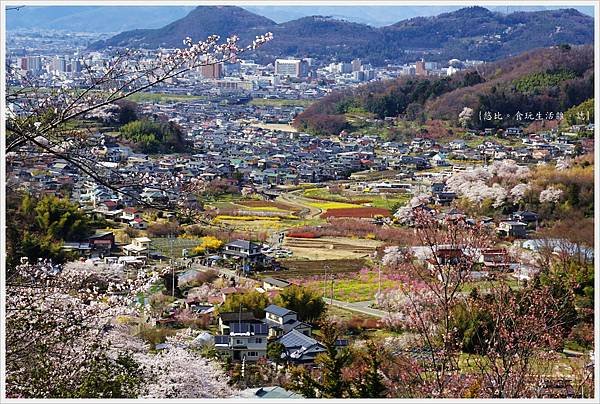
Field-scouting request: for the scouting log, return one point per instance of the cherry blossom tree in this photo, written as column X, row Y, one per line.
column 519, row 192
column 551, row 194
column 56, row 324
column 563, row 164
column 424, row 302
column 488, row 183
column 509, row 171
column 519, row 334
column 465, row 117
column 178, row 372
column 405, row 215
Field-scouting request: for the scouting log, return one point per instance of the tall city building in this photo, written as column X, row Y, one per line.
column 358, row 75
column 291, row 67
column 356, row 65
column 212, row 71
column 59, row 64
column 34, row 63
column 75, row 66
column 420, row 69
column 369, row 74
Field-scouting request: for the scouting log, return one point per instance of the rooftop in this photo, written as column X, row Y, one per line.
column 278, row 311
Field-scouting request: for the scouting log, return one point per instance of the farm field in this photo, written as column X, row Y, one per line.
column 354, row 290
column 305, row 269
column 380, row 200
column 325, row 205
column 325, row 248
column 359, row 286
column 361, row 212
column 167, row 245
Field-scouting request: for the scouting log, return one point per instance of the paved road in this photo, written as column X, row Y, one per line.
column 359, row 307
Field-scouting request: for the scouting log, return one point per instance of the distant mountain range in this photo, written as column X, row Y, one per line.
column 110, row 19
column 467, row 33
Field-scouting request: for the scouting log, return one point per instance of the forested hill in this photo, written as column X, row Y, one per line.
column 546, row 80
column 468, row 33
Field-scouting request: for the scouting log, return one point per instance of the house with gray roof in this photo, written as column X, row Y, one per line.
column 281, row 321
column 300, row 348
column 247, row 253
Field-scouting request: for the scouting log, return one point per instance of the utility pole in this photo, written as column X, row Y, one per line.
column 325, row 281
column 172, row 265
column 332, row 281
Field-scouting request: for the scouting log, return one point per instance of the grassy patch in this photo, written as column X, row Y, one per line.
column 389, row 202
column 155, row 335
column 355, row 289
column 487, row 285
column 173, row 247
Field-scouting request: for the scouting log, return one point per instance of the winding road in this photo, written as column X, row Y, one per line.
column 308, row 211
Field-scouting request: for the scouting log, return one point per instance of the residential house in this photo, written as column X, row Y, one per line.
column 282, row 320
column 514, row 131
column 438, row 187
column 138, row 246
column 446, row 255
column 275, row 284
column 300, row 348
column 102, row 241
column 246, row 252
column 138, row 224
column 496, row 259
column 130, row 214
column 245, row 341
column 457, row 144
column 444, row 198
column 274, row 392
column 227, row 318
column 511, row 228
column 528, row 217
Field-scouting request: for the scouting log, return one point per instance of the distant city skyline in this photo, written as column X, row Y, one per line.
column 112, row 19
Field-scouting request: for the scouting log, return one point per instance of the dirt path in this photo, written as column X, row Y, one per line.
column 308, row 211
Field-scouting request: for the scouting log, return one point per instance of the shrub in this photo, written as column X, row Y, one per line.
column 155, row 335
column 164, row 229
column 209, row 243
